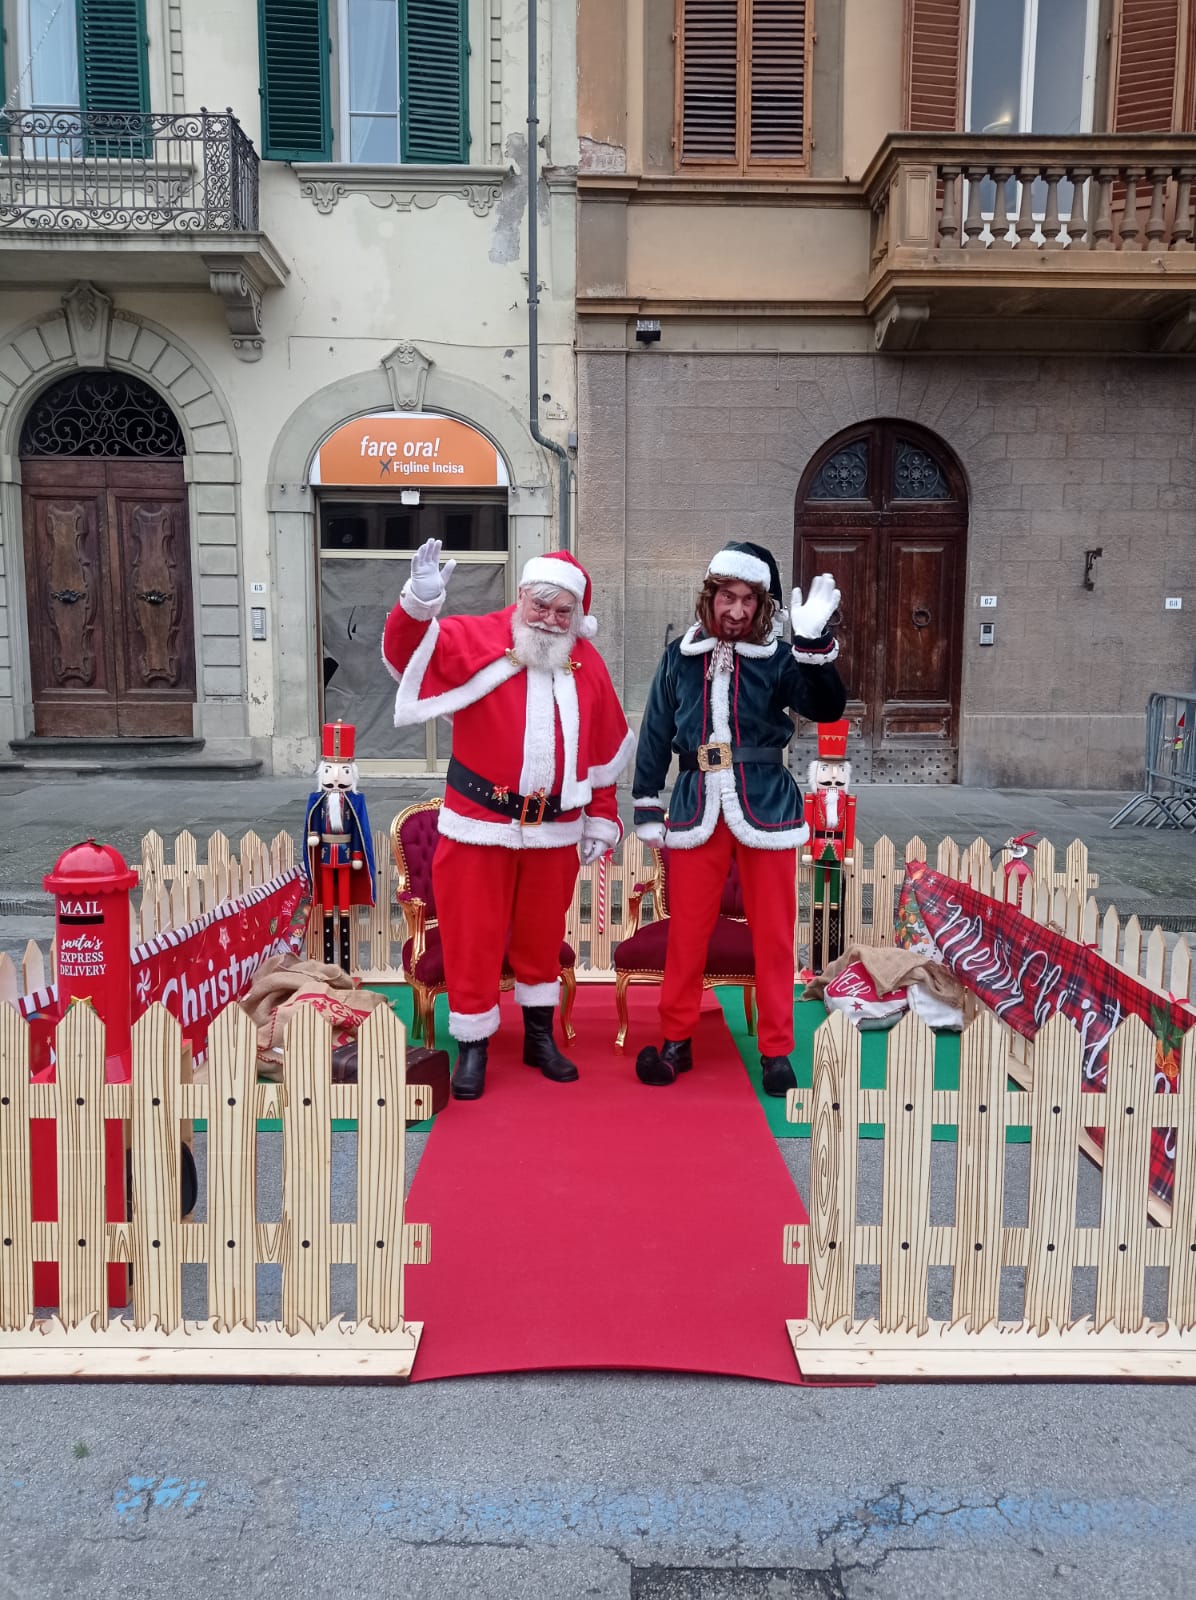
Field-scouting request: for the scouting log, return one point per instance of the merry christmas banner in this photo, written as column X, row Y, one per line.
column 1025, row 973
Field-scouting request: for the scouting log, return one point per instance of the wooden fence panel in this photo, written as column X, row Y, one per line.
column 884, row 872
column 381, row 1149
column 1181, row 1279
column 1131, row 953
column 1044, row 862
column 16, row 1216
column 1054, row 1159
column 905, row 1238
column 1125, row 1177
column 307, row 1173
column 834, row 1131
column 78, row 1100
column 1180, row 981
column 232, row 1170
column 156, row 1224
column 979, row 1173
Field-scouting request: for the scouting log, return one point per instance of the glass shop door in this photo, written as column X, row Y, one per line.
column 366, row 545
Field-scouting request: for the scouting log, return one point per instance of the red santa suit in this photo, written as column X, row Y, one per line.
column 535, row 758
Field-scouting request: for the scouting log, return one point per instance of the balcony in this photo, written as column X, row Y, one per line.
column 137, row 200
column 1033, row 242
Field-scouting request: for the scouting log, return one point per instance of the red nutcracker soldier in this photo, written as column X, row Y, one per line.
column 340, row 853
column 831, row 811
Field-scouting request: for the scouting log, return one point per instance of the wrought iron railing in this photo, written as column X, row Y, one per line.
column 126, row 172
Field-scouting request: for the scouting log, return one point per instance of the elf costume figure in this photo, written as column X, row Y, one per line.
column 831, row 811
column 539, row 739
column 339, row 858
column 721, row 702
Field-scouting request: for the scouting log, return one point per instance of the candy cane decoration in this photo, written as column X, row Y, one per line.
column 602, row 894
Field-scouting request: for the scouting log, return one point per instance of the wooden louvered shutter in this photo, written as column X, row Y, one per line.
column 112, row 55
column 934, row 57
column 1148, row 50
column 710, row 51
column 293, row 47
column 434, row 88
column 777, row 75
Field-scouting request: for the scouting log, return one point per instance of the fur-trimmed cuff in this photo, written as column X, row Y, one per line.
column 602, row 828
column 420, row 610
column 468, row 1026
column 816, row 652
column 649, row 802
column 537, row 994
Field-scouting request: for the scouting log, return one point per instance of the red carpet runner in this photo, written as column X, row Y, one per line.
column 602, row 1223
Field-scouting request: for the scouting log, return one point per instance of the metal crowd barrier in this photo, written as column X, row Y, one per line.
column 1168, row 798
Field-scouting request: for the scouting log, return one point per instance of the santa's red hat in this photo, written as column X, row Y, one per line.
column 338, row 741
column 563, row 571
column 832, row 740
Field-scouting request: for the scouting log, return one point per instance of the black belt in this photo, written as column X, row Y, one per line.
column 529, row 809
column 718, row 757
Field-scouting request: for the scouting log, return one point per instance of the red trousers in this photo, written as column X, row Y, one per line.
column 491, row 901
column 696, row 881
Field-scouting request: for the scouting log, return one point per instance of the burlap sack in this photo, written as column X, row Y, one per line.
column 283, row 984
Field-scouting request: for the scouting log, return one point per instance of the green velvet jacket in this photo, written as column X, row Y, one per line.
column 745, row 701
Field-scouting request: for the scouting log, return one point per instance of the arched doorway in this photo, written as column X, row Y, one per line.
column 883, row 506
column 107, row 561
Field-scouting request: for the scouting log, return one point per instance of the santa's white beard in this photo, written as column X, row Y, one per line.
column 541, row 647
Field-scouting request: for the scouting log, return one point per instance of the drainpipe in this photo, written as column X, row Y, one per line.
column 533, row 270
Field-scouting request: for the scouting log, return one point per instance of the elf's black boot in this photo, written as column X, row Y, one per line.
column 539, row 1047
column 660, row 1067
column 469, row 1075
column 778, row 1076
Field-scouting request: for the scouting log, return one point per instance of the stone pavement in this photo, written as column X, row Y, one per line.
column 1144, row 870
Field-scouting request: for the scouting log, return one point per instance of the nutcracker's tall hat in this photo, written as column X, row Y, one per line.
column 338, row 741
column 832, row 740
column 563, row 571
column 750, row 563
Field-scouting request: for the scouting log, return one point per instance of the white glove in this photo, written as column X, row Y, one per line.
column 808, row 619
column 593, row 850
column 650, row 833
column 428, row 578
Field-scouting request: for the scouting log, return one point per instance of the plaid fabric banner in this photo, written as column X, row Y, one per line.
column 1025, row 973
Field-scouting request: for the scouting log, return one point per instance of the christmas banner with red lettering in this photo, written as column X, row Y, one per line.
column 197, row 970
column 1025, row 973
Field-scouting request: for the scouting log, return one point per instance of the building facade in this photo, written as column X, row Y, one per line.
column 906, row 291
column 249, row 361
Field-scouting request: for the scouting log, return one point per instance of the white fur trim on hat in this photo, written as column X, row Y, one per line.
column 739, row 564
column 561, row 574
column 588, row 627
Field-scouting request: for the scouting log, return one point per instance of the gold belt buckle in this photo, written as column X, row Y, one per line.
column 714, row 757
column 533, row 822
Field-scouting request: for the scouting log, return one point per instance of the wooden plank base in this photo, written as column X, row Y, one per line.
column 1003, row 1350
column 340, row 1352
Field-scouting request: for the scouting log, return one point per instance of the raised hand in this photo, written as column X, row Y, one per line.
column 428, row 578
column 809, row 618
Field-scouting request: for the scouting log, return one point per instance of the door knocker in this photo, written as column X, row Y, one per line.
column 921, row 617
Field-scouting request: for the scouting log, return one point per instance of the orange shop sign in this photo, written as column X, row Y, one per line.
column 396, row 449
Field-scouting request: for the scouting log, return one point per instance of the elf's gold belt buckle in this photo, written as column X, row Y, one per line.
column 525, row 821
column 714, row 757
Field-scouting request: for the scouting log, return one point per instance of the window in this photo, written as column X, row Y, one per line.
column 1031, row 66
column 742, row 84
column 82, row 53
column 402, row 80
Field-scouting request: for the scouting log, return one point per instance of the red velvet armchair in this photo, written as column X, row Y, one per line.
column 639, row 957
column 413, row 836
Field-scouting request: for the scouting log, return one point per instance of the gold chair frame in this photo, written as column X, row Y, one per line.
column 654, row 889
column 415, row 915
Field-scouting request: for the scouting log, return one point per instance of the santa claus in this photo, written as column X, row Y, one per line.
column 539, row 740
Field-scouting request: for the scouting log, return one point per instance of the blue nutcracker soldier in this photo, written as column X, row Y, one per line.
column 339, row 857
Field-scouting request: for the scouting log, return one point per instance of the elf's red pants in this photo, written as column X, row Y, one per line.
column 490, row 900
column 696, row 881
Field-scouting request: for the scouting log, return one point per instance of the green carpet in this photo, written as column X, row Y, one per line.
column 808, row 1016
column 398, row 997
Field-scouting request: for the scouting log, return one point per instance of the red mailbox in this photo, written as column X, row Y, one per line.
column 91, row 883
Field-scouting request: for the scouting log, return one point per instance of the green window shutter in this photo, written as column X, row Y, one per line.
column 434, row 44
column 113, row 70
column 294, row 46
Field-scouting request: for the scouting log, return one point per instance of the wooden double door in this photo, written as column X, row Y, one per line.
column 883, row 507
column 108, row 590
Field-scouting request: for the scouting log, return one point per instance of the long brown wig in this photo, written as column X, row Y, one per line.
column 762, row 622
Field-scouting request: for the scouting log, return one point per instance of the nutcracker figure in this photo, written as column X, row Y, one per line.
column 831, row 811
column 340, row 853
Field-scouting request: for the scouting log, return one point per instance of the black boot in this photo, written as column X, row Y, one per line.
column 539, row 1047
column 469, row 1075
column 346, row 961
column 660, row 1067
column 329, row 942
column 778, row 1076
